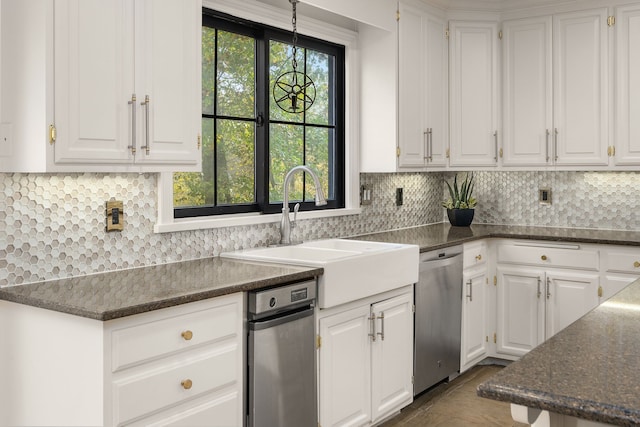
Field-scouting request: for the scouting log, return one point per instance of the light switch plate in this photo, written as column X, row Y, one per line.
column 115, row 215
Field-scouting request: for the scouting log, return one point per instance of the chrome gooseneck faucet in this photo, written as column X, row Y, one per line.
column 285, row 223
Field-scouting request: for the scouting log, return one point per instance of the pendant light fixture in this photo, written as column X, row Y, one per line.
column 294, row 91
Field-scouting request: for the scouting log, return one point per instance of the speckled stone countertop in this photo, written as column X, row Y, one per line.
column 437, row 236
column 590, row 370
column 123, row 293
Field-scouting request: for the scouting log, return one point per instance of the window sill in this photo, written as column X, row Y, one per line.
column 188, row 224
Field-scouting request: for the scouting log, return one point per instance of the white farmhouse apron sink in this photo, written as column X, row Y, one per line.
column 352, row 269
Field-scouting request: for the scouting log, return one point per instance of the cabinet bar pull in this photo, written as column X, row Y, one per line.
column 186, row 384
column 555, row 144
column 372, row 326
column 430, row 144
column 132, row 147
column 425, row 137
column 539, row 293
column 546, row 145
column 146, row 103
column 187, row 335
column 381, row 333
column 470, row 294
column 495, row 138
column 548, row 288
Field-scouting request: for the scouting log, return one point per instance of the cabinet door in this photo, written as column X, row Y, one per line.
column 473, row 86
column 580, row 87
column 423, row 83
column 627, row 134
column 344, row 364
column 569, row 296
column 168, row 50
column 474, row 318
column 614, row 283
column 520, row 310
column 392, row 355
column 527, row 87
column 412, row 128
column 94, row 80
column 437, row 87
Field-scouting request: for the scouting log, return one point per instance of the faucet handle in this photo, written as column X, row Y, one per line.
column 295, row 214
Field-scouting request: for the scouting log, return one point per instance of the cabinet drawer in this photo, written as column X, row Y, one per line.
column 623, row 261
column 154, row 389
column 474, row 254
column 548, row 256
column 136, row 344
column 216, row 411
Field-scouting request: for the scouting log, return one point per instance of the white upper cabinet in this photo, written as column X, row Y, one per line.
column 580, row 77
column 555, row 90
column 627, row 127
column 527, row 90
column 127, row 81
column 98, row 63
column 423, row 126
column 473, row 58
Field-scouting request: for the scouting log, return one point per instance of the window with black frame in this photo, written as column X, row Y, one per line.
column 249, row 143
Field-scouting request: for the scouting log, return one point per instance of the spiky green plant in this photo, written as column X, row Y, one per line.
column 461, row 198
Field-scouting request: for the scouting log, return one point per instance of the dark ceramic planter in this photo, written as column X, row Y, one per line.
column 460, row 217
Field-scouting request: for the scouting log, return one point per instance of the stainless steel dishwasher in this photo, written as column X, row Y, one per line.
column 437, row 328
column 281, row 357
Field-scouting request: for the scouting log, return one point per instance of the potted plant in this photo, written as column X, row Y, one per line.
column 461, row 202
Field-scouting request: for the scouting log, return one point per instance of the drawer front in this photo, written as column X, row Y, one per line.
column 216, row 411
column 474, row 254
column 584, row 259
column 623, row 261
column 148, row 391
column 140, row 343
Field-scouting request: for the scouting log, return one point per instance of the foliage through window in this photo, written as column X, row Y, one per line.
column 249, row 143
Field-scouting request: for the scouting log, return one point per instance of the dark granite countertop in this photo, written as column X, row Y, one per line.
column 437, row 236
column 123, row 293
column 590, row 370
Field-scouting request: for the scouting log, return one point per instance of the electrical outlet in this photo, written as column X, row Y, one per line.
column 544, row 196
column 399, row 200
column 115, row 215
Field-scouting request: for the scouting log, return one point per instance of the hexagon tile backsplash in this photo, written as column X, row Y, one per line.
column 52, row 226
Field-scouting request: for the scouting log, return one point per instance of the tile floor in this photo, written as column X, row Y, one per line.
column 456, row 404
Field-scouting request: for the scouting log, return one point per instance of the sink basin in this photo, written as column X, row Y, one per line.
column 352, row 269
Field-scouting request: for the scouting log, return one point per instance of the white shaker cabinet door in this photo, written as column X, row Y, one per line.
column 474, row 341
column 527, row 89
column 94, row 80
column 521, row 310
column 627, row 85
column 344, row 365
column 392, row 356
column 168, row 81
column 569, row 296
column 580, row 46
column 473, row 58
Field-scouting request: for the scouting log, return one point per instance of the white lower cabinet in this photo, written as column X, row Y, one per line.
column 475, row 341
column 476, row 305
column 181, row 365
column 365, row 359
column 534, row 305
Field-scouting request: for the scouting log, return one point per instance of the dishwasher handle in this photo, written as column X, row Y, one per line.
column 270, row 322
column 439, row 262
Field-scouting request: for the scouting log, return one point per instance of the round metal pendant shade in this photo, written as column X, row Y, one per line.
column 293, row 91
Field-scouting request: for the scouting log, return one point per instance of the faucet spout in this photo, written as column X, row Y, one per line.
column 285, row 223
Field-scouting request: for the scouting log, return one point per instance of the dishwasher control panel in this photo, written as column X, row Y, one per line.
column 273, row 300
